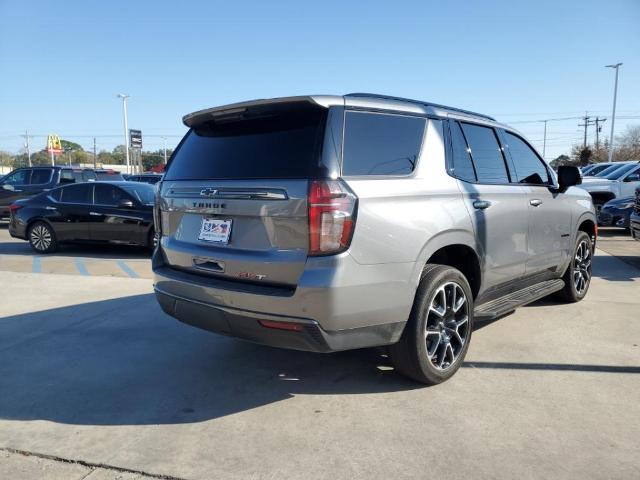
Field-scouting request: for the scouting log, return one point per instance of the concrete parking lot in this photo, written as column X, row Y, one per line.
column 96, row 382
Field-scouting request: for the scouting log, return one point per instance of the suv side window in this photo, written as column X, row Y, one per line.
column 19, row 177
column 66, row 176
column 462, row 165
column 40, row 176
column 381, row 144
column 79, row 193
column 486, row 154
column 633, row 175
column 529, row 168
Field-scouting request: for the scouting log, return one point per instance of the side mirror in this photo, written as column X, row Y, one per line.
column 568, row 176
column 6, row 186
column 125, row 204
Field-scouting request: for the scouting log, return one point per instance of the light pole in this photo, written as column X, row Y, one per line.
column 126, row 127
column 613, row 114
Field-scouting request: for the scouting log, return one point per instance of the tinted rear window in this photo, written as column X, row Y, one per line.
column 80, row 193
column 381, row 144
column 282, row 145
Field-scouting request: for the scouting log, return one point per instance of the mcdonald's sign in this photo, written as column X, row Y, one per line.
column 54, row 145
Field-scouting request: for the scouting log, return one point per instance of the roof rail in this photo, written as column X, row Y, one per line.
column 419, row 102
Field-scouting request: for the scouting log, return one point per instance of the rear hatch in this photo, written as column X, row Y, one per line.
column 233, row 201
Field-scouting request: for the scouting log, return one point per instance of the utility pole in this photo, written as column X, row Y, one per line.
column 613, row 114
column 26, row 146
column 598, row 123
column 126, row 127
column 587, row 123
column 164, row 140
column 544, row 141
column 94, row 153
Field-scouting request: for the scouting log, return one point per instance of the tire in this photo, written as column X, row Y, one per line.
column 42, row 238
column 433, row 357
column 577, row 277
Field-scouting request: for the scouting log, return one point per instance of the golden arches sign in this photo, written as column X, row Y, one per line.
column 54, row 145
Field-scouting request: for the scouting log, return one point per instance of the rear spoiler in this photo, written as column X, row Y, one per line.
column 237, row 110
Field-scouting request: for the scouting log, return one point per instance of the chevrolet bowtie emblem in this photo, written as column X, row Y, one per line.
column 208, row 192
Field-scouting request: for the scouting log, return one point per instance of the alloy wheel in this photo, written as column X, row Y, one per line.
column 447, row 325
column 41, row 238
column 582, row 267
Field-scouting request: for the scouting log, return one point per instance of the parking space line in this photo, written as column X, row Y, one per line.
column 36, row 265
column 80, row 266
column 126, row 269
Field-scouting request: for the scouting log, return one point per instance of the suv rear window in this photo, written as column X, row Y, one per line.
column 286, row 144
column 486, row 154
column 381, row 144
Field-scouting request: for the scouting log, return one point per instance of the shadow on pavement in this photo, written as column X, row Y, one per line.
column 79, row 250
column 124, row 362
column 614, row 269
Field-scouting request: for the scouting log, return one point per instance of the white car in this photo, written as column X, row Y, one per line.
column 621, row 182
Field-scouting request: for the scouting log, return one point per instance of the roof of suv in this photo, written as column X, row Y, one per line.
column 364, row 100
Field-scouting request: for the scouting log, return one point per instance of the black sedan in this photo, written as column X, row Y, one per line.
column 101, row 212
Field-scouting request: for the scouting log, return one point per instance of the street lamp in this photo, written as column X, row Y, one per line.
column 126, row 128
column 613, row 115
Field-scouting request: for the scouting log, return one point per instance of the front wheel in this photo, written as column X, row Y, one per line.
column 437, row 335
column 577, row 277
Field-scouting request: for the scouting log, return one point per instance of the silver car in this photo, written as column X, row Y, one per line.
column 328, row 223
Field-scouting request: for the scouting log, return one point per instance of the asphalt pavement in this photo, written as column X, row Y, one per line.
column 95, row 380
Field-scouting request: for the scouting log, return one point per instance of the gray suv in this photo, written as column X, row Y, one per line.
column 328, row 223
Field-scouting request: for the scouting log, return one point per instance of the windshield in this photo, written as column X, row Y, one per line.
column 142, row 192
column 619, row 172
column 608, row 170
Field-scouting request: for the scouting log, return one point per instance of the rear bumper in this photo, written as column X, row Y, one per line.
column 334, row 312
column 246, row 325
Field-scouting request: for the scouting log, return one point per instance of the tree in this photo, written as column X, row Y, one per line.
column 628, row 144
column 560, row 160
column 68, row 146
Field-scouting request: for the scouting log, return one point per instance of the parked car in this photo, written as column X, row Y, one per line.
column 634, row 219
column 106, row 212
column 330, row 223
column 598, row 168
column 109, row 175
column 619, row 183
column 29, row 181
column 151, row 178
column 616, row 213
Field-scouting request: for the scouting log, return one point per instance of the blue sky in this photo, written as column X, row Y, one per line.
column 63, row 63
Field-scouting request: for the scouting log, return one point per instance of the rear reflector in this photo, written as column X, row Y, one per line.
column 14, row 207
column 332, row 208
column 292, row 327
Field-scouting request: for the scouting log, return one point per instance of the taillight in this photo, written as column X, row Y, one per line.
column 14, row 207
column 332, row 208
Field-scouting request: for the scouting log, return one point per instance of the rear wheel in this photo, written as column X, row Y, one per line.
column 42, row 238
column 437, row 335
column 577, row 278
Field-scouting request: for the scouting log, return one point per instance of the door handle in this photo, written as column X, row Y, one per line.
column 481, row 204
column 95, row 214
column 535, row 202
column 50, row 208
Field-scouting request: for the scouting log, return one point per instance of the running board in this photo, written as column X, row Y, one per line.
column 503, row 305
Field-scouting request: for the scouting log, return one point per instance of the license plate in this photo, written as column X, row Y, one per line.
column 215, row 231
